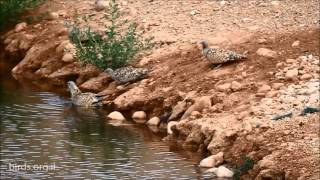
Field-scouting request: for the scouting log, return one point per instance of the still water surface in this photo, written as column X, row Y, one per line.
column 42, row 128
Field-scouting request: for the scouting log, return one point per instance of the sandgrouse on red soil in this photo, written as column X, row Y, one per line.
column 83, row 99
column 127, row 74
column 218, row 56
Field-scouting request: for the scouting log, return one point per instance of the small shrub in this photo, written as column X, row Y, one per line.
column 11, row 9
column 113, row 49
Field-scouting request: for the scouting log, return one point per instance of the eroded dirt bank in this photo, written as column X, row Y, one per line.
column 229, row 110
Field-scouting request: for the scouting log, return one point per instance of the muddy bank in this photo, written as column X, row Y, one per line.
column 235, row 111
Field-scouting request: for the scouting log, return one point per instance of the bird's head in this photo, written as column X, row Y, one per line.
column 73, row 88
column 204, row 44
column 108, row 70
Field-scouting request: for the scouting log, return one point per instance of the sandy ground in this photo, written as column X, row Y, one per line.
column 286, row 149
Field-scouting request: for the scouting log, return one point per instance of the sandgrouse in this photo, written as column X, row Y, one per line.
column 218, row 56
column 127, row 74
column 83, row 99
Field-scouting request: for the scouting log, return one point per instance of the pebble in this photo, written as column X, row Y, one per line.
column 290, row 61
column 306, row 77
column 115, row 115
column 139, row 115
column 266, row 53
column 101, row 5
column 21, row 26
column 277, row 86
column 295, row 44
column 236, row 86
column 264, row 88
column 68, row 57
column 224, row 87
column 221, row 172
column 153, row 121
column 291, row 74
column 212, row 161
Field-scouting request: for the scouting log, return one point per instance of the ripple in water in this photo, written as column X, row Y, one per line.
column 41, row 128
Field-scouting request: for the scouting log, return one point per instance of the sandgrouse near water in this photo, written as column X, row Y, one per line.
column 83, row 99
column 219, row 56
column 127, row 74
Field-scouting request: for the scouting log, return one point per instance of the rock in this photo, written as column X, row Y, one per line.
column 266, row 163
column 53, row 16
column 178, row 109
column 261, row 41
column 212, row 161
column 295, row 44
column 139, row 115
column 201, row 103
column 115, row 115
column 292, row 74
column 153, row 121
column 21, row 26
column 271, row 94
column 101, row 5
column 306, row 77
column 224, row 87
column 266, row 53
column 277, row 86
column 236, row 86
column 290, row 61
column 68, row 57
column 270, row 174
column 264, row 88
column 130, row 98
column 97, row 83
column 170, row 124
column 221, row 171
column 279, row 65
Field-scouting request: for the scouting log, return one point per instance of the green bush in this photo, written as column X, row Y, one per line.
column 11, row 9
column 114, row 48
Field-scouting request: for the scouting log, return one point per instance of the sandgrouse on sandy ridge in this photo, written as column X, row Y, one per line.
column 127, row 74
column 218, row 56
column 83, row 99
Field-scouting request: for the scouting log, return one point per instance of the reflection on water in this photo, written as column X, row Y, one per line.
column 42, row 128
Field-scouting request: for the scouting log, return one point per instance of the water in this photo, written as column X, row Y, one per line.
column 44, row 137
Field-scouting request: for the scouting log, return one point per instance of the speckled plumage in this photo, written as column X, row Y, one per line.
column 219, row 56
column 127, row 74
column 83, row 99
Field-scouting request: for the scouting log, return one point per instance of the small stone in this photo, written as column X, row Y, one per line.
column 139, row 115
column 291, row 74
column 115, row 115
column 194, row 12
column 21, row 26
column 266, row 53
column 295, row 44
column 271, row 94
column 306, row 77
column 280, row 64
column 212, row 161
column 53, row 16
column 101, row 5
column 170, row 124
column 277, row 86
column 264, row 88
column 290, row 61
column 167, row 89
column 244, row 74
column 236, row 86
column 68, row 57
column 275, row 3
column 221, row 171
column 261, row 41
column 153, row 121
column 224, row 87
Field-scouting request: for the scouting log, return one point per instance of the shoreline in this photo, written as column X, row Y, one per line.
column 229, row 110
